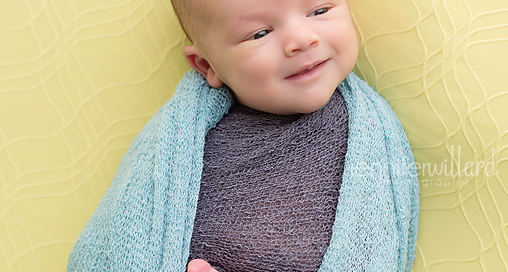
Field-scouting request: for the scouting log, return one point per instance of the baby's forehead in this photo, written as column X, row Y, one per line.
column 245, row 10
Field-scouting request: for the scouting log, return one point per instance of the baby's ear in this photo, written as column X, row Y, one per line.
column 200, row 64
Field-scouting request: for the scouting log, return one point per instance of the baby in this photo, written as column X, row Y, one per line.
column 282, row 57
column 270, row 156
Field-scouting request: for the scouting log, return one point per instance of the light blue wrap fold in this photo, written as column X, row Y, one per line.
column 145, row 220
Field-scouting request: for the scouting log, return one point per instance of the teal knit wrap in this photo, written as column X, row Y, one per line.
column 145, row 220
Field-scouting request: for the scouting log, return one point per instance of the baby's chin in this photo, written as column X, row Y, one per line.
column 300, row 109
column 313, row 108
column 302, row 106
column 313, row 105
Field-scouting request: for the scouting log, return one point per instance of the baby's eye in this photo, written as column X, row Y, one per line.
column 260, row 35
column 319, row 11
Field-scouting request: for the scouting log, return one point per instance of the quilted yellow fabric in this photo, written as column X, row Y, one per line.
column 78, row 79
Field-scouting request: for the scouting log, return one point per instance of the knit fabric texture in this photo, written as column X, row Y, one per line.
column 146, row 218
column 269, row 189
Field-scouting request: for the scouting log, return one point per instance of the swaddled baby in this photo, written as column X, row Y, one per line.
column 270, row 156
column 273, row 165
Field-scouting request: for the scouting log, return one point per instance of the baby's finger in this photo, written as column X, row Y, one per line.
column 199, row 265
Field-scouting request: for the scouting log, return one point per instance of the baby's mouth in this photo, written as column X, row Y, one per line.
column 307, row 69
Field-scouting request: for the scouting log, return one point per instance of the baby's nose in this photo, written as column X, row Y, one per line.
column 300, row 40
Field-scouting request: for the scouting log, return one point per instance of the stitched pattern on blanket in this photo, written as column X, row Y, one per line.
column 269, row 189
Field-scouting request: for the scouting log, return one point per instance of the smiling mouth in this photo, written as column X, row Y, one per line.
column 306, row 70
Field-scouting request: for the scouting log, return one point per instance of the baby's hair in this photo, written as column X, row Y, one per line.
column 193, row 16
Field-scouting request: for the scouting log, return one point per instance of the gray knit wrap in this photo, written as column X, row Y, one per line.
column 269, row 189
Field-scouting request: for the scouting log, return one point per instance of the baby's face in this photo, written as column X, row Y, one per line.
column 281, row 56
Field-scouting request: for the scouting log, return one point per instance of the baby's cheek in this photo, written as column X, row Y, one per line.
column 258, row 67
column 255, row 75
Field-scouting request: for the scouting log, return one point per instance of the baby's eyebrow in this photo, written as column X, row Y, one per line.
column 254, row 16
column 247, row 21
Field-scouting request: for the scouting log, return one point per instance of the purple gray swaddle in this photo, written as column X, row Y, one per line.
column 269, row 189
